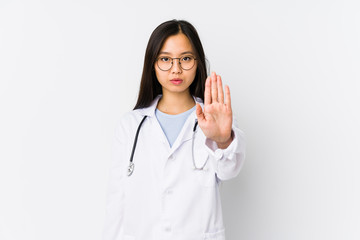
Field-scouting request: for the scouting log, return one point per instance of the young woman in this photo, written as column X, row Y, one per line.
column 173, row 150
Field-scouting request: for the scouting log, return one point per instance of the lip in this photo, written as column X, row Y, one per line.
column 176, row 81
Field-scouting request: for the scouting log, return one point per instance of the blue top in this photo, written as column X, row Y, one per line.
column 172, row 124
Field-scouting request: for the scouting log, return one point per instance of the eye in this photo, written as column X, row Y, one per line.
column 186, row 58
column 164, row 59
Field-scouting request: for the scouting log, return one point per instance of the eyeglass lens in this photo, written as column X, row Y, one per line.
column 185, row 62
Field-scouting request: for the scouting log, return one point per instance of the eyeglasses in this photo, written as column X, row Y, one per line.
column 165, row 63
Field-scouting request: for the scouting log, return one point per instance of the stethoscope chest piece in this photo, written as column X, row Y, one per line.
column 131, row 168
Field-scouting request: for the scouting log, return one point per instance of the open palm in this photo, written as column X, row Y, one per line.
column 215, row 120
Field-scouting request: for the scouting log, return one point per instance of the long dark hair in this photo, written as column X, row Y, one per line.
column 149, row 85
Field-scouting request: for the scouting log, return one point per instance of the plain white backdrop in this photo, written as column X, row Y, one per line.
column 70, row 69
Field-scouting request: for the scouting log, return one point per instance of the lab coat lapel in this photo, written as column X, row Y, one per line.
column 185, row 133
column 158, row 133
column 156, row 130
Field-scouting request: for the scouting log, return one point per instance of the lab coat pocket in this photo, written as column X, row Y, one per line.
column 206, row 176
column 219, row 235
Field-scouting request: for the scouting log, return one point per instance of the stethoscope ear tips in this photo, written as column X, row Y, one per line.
column 130, row 169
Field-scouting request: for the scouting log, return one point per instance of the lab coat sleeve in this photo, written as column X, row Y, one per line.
column 227, row 162
column 113, row 224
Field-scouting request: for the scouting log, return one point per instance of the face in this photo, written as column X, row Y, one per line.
column 176, row 79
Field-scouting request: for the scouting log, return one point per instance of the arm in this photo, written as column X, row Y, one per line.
column 227, row 162
column 112, row 229
column 224, row 140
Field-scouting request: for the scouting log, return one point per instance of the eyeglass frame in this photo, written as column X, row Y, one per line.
column 172, row 63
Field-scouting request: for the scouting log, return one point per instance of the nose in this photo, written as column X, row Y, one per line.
column 176, row 68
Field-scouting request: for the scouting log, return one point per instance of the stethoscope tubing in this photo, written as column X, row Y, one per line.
column 131, row 163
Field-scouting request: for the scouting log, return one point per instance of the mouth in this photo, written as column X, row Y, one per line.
column 176, row 81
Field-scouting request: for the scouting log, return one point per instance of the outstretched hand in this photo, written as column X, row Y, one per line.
column 215, row 120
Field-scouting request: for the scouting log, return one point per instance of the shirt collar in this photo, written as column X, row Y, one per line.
column 150, row 111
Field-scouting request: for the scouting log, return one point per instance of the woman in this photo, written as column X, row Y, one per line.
column 172, row 151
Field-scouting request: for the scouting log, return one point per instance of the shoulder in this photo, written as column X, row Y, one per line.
column 130, row 117
column 128, row 122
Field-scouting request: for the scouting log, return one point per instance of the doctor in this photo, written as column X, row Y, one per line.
column 174, row 149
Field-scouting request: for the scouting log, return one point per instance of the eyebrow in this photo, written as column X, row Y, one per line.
column 180, row 53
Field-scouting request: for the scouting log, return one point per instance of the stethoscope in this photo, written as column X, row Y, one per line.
column 131, row 163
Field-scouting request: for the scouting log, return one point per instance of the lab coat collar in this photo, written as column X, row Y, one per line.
column 150, row 111
column 187, row 130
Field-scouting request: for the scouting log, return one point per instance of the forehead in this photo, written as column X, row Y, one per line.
column 176, row 45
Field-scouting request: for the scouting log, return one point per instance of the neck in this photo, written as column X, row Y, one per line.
column 175, row 103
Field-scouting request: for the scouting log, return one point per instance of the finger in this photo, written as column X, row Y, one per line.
column 214, row 95
column 199, row 113
column 207, row 94
column 227, row 97
column 220, row 90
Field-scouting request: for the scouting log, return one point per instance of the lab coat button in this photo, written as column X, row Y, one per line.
column 218, row 153
column 171, row 157
column 167, row 229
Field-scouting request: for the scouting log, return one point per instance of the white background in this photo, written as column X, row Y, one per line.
column 70, row 69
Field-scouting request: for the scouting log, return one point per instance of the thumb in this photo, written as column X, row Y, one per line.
column 199, row 113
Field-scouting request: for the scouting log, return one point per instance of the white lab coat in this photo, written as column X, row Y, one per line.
column 165, row 198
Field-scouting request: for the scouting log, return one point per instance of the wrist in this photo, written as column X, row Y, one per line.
column 226, row 143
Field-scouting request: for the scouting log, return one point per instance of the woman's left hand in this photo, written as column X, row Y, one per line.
column 216, row 118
